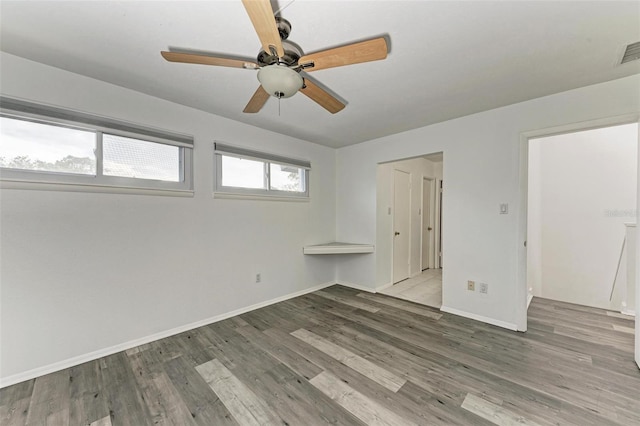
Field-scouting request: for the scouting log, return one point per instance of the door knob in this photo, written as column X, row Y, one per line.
column 397, row 233
column 429, row 228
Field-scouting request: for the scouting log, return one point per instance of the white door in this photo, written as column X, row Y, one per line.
column 401, row 225
column 426, row 223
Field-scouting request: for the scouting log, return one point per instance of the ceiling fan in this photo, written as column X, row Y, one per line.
column 281, row 64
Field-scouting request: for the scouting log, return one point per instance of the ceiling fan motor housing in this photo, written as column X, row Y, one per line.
column 291, row 55
column 291, row 52
column 284, row 27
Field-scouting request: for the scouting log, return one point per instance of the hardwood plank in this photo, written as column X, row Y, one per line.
column 359, row 405
column 105, row 421
column 400, row 304
column 14, row 413
column 511, row 369
column 445, row 383
column 347, row 301
column 288, row 394
column 299, row 402
column 50, row 397
column 205, row 408
column 493, row 412
column 348, row 358
column 364, row 385
column 243, row 404
column 165, row 405
column 623, row 329
column 16, row 392
column 125, row 402
column 88, row 399
column 300, row 365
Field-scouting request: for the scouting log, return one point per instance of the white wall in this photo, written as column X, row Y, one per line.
column 81, row 272
column 582, row 189
column 481, row 170
column 418, row 168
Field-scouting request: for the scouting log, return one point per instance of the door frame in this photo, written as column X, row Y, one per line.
column 431, row 263
column 522, row 211
column 393, row 217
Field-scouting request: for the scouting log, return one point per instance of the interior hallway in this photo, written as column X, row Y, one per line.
column 425, row 288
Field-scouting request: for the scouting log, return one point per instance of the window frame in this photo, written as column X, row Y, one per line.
column 266, row 159
column 50, row 180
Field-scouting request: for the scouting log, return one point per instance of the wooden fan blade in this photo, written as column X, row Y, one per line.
column 257, row 101
column 261, row 15
column 191, row 58
column 364, row 51
column 321, row 97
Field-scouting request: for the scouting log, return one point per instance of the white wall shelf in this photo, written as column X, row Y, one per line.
column 338, row 248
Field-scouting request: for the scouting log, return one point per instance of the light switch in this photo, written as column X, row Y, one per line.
column 504, row 208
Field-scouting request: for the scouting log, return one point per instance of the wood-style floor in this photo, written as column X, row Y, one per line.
column 339, row 356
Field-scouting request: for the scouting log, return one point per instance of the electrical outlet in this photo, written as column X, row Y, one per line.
column 471, row 285
column 484, row 288
column 258, row 278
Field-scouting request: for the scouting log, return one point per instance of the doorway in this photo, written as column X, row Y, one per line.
column 524, row 298
column 581, row 193
column 409, row 203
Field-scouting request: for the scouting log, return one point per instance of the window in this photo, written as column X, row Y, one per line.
column 245, row 173
column 134, row 158
column 49, row 146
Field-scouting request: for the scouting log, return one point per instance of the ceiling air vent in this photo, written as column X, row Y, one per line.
column 632, row 53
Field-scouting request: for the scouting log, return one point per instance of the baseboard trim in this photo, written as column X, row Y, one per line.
column 91, row 356
column 480, row 318
column 529, row 299
column 357, row 286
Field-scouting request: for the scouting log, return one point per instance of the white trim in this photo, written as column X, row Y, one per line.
column 75, row 187
column 480, row 318
column 529, row 299
column 356, row 286
column 235, row 196
column 91, row 356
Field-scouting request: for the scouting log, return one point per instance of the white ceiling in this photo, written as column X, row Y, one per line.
column 446, row 60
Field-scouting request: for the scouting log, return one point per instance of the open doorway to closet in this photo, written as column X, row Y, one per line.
column 409, row 198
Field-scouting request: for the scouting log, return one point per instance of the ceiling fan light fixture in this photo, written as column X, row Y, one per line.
column 280, row 80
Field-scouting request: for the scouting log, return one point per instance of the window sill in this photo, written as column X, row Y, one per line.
column 74, row 187
column 237, row 196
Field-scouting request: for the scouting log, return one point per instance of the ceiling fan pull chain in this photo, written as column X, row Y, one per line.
column 279, row 98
